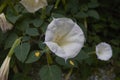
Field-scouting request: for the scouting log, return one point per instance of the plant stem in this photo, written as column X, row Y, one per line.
column 15, row 69
column 12, row 6
column 85, row 23
column 93, row 52
column 3, row 5
column 15, row 44
column 64, row 3
column 48, row 56
column 43, row 15
column 69, row 74
column 57, row 3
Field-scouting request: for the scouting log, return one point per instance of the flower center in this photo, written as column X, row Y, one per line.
column 99, row 52
column 59, row 40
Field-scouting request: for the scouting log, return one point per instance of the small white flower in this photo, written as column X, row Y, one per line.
column 103, row 51
column 64, row 37
column 4, row 24
column 33, row 5
column 4, row 70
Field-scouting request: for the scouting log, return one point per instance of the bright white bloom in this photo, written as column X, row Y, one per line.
column 4, row 24
column 64, row 37
column 103, row 51
column 33, row 5
column 4, row 70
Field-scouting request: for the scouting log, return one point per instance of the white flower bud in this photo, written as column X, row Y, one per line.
column 4, row 24
column 4, row 70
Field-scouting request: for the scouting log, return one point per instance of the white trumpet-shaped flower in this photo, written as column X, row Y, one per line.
column 64, row 37
column 33, row 5
column 4, row 70
column 4, row 24
column 103, row 51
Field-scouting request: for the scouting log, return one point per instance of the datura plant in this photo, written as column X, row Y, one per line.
column 4, row 24
column 33, row 5
column 61, row 39
column 103, row 51
column 64, row 37
column 4, row 69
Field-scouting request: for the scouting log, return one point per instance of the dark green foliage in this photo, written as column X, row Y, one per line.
column 50, row 72
column 99, row 20
column 32, row 58
column 21, row 51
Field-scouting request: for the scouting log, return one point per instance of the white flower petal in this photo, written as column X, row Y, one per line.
column 4, row 70
column 103, row 51
column 33, row 5
column 73, row 42
column 67, row 36
column 56, row 49
column 4, row 24
column 58, row 27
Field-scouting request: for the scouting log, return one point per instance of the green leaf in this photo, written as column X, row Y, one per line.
column 44, row 27
column 72, row 6
column 32, row 32
column 19, row 76
column 85, row 71
column 93, row 4
column 81, row 56
column 21, row 51
column 65, row 64
column 56, row 15
column 26, row 38
column 50, row 73
column 10, row 40
column 81, row 15
column 2, row 37
column 83, row 7
column 3, row 5
column 11, row 16
column 84, row 29
column 19, row 8
column 61, row 61
column 37, row 22
column 41, row 45
column 93, row 13
column 32, row 58
column 23, row 24
column 49, row 9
